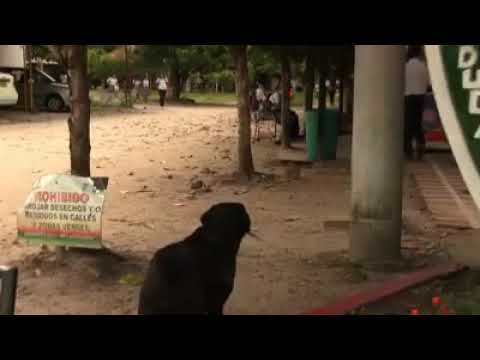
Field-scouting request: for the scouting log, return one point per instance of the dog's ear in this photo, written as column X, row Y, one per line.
column 207, row 217
column 227, row 217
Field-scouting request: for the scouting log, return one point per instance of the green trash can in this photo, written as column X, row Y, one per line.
column 312, row 129
column 329, row 134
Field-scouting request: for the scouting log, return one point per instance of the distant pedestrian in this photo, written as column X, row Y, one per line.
column 137, row 83
column 64, row 78
column 113, row 88
column 146, row 88
column 162, row 87
column 331, row 90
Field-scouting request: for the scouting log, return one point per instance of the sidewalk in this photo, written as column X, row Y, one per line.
column 447, row 198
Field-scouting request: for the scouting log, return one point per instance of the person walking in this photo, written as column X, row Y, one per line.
column 417, row 82
column 331, row 90
column 162, row 86
column 113, row 88
column 137, row 83
column 146, row 88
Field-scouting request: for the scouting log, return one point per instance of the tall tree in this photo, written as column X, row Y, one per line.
column 79, row 121
column 182, row 61
column 309, row 81
column 245, row 158
column 75, row 58
column 285, row 113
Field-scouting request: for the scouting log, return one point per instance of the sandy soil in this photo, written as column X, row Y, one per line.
column 298, row 263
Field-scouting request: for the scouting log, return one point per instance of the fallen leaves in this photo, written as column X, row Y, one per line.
column 131, row 280
column 241, row 191
column 292, row 218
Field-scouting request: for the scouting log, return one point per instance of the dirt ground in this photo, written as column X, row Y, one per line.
column 298, row 263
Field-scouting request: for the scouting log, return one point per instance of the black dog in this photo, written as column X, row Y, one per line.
column 196, row 276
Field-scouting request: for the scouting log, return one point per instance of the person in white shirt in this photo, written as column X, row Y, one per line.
column 331, row 86
column 162, row 86
column 146, row 88
column 112, row 82
column 260, row 94
column 64, row 78
column 275, row 100
column 417, row 82
column 113, row 88
column 136, row 87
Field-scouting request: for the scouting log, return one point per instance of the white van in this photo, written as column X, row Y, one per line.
column 8, row 92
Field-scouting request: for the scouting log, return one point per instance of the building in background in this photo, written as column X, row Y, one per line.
column 11, row 56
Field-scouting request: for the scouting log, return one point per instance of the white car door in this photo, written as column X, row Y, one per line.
column 8, row 92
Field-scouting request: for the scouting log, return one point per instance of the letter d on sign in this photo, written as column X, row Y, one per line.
column 474, row 103
column 467, row 56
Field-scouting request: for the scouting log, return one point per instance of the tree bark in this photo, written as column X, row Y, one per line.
column 322, row 91
column 309, row 83
column 285, row 101
column 341, row 102
column 79, row 121
column 174, row 80
column 245, row 158
column 128, row 80
column 349, row 97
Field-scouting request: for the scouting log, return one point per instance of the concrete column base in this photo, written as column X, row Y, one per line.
column 373, row 240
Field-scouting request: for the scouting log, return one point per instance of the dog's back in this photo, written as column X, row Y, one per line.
column 172, row 284
column 196, row 276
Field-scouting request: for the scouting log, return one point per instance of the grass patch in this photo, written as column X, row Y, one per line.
column 100, row 98
column 212, row 98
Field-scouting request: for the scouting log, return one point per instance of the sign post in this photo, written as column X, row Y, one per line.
column 455, row 76
column 64, row 211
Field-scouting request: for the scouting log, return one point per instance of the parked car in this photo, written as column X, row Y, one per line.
column 47, row 92
column 8, row 92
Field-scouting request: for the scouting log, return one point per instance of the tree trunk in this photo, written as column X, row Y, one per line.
column 285, row 101
column 349, row 87
column 348, row 101
column 31, row 97
column 341, row 102
column 309, row 81
column 128, row 77
column 245, row 158
column 79, row 121
column 322, row 93
column 174, row 81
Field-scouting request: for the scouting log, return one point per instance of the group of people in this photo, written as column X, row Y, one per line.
column 264, row 103
column 141, row 88
column 269, row 101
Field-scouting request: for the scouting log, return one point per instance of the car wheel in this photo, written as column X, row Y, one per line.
column 55, row 103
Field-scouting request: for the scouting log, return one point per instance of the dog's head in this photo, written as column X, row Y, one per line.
column 229, row 220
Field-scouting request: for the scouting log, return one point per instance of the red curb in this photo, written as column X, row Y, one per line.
column 390, row 288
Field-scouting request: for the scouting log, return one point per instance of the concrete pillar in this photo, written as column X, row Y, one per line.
column 377, row 153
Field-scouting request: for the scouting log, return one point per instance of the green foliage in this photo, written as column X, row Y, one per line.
column 262, row 63
column 134, row 280
column 41, row 51
column 188, row 58
column 101, row 65
column 213, row 98
column 105, row 48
